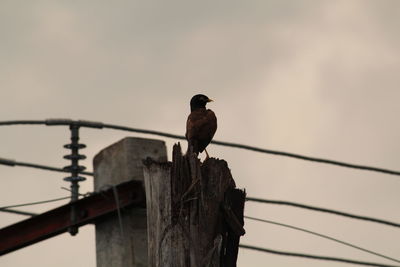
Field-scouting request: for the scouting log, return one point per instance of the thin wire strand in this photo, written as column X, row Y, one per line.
column 278, row 202
column 13, row 163
column 100, row 125
column 262, row 150
column 116, row 198
column 316, row 257
column 19, row 212
column 293, row 204
column 34, row 203
column 22, row 122
column 324, row 236
column 38, row 166
column 340, row 213
column 308, row 158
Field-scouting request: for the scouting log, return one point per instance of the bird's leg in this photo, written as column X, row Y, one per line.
column 207, row 156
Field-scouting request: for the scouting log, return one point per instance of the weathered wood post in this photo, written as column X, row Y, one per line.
column 121, row 241
column 195, row 213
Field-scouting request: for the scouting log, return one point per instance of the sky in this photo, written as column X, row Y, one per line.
column 318, row 78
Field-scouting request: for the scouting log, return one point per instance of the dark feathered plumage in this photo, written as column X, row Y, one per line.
column 201, row 124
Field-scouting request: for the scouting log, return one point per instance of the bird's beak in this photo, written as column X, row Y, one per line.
column 210, row 100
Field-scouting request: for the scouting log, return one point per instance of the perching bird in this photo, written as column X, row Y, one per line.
column 201, row 124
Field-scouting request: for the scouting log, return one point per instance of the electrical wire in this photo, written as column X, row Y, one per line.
column 324, row 236
column 278, row 202
column 267, row 201
column 308, row 158
column 261, row 150
column 100, row 125
column 22, row 122
column 316, row 257
column 19, row 212
column 7, row 208
column 340, row 213
column 34, row 203
column 248, row 217
column 13, row 163
column 261, row 220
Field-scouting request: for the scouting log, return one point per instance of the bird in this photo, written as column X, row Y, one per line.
column 201, row 125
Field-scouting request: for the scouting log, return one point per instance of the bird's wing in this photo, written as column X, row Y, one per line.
column 201, row 125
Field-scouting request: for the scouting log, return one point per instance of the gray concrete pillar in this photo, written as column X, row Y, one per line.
column 113, row 165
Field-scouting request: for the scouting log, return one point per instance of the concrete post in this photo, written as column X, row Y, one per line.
column 120, row 162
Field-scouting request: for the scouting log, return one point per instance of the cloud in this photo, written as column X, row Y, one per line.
column 314, row 77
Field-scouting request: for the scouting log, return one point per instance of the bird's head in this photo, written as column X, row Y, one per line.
column 199, row 101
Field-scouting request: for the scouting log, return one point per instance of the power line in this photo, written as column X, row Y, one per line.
column 33, row 203
column 8, row 208
column 278, row 202
column 316, row 257
column 9, row 162
column 100, row 125
column 345, row 214
column 323, row 236
column 5, row 209
column 13, row 163
column 262, row 150
column 245, row 246
column 308, row 158
column 20, row 212
column 54, row 122
column 22, row 122
column 143, row 131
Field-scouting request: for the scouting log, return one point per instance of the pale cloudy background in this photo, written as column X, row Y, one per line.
column 313, row 77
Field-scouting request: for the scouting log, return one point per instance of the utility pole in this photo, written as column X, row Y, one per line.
column 195, row 213
column 121, row 240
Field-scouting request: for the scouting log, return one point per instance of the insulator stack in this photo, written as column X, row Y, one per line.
column 75, row 169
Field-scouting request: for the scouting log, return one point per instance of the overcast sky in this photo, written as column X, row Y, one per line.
column 312, row 77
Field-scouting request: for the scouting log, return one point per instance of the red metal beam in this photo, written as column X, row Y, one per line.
column 57, row 221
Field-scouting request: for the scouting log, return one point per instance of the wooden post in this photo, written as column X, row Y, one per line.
column 121, row 241
column 195, row 214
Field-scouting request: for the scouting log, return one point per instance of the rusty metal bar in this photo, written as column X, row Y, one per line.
column 57, row 221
